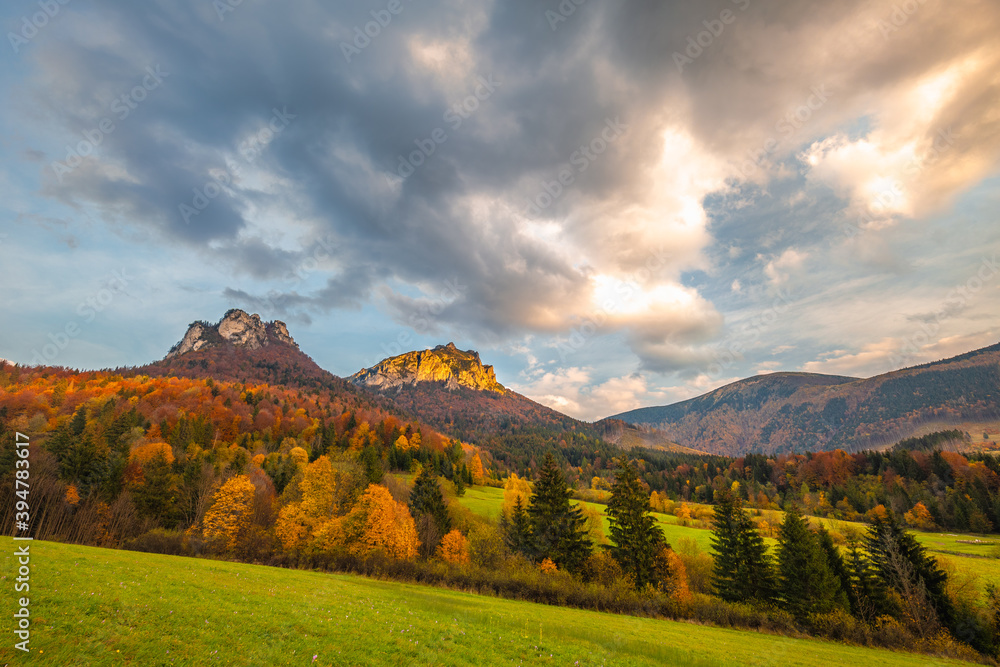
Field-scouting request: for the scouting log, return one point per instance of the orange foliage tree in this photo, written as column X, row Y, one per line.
column 378, row 522
column 476, row 468
column 454, row 548
column 920, row 517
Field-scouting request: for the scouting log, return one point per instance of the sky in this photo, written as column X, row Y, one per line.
column 618, row 204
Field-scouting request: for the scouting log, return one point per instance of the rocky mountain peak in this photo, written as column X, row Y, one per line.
column 445, row 363
column 237, row 327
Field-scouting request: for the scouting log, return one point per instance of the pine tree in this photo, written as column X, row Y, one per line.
column 805, row 583
column 742, row 570
column 636, row 537
column 558, row 530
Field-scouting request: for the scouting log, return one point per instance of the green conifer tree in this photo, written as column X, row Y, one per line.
column 637, row 540
column 742, row 570
column 558, row 529
column 516, row 530
column 426, row 498
column 806, row 585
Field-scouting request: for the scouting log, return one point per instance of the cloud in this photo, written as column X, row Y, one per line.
column 780, row 269
column 573, row 392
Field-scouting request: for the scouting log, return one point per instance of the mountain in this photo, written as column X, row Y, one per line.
column 445, row 363
column 452, row 391
column 784, row 412
column 242, row 348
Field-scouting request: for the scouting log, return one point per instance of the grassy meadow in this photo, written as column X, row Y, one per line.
column 93, row 606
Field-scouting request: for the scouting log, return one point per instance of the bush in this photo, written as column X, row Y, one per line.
column 840, row 626
column 160, row 541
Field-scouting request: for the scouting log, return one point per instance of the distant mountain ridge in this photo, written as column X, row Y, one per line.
column 783, row 412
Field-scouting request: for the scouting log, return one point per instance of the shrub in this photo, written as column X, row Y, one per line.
column 160, row 541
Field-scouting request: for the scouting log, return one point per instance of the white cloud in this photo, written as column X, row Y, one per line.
column 780, row 269
column 573, row 392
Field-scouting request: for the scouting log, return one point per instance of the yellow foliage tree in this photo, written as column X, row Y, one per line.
column 258, row 460
column 515, row 488
column 299, row 455
column 378, row 522
column 547, row 566
column 72, row 495
column 454, row 548
column 290, row 527
column 298, row 522
column 319, row 488
column 476, row 468
column 594, row 524
column 231, row 511
column 402, row 444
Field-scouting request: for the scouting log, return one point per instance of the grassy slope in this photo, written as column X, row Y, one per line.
column 95, row 606
column 949, row 548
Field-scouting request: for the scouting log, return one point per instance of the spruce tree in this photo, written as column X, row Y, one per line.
column 806, row 585
column 867, row 594
column 426, row 498
column 837, row 566
column 516, row 530
column 558, row 530
column 637, row 540
column 742, row 570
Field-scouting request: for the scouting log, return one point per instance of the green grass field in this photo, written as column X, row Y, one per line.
column 954, row 550
column 95, row 606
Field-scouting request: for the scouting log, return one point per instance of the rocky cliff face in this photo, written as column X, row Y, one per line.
column 445, row 363
column 236, row 328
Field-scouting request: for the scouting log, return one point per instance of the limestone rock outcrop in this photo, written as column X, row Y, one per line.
column 237, row 327
column 445, row 363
